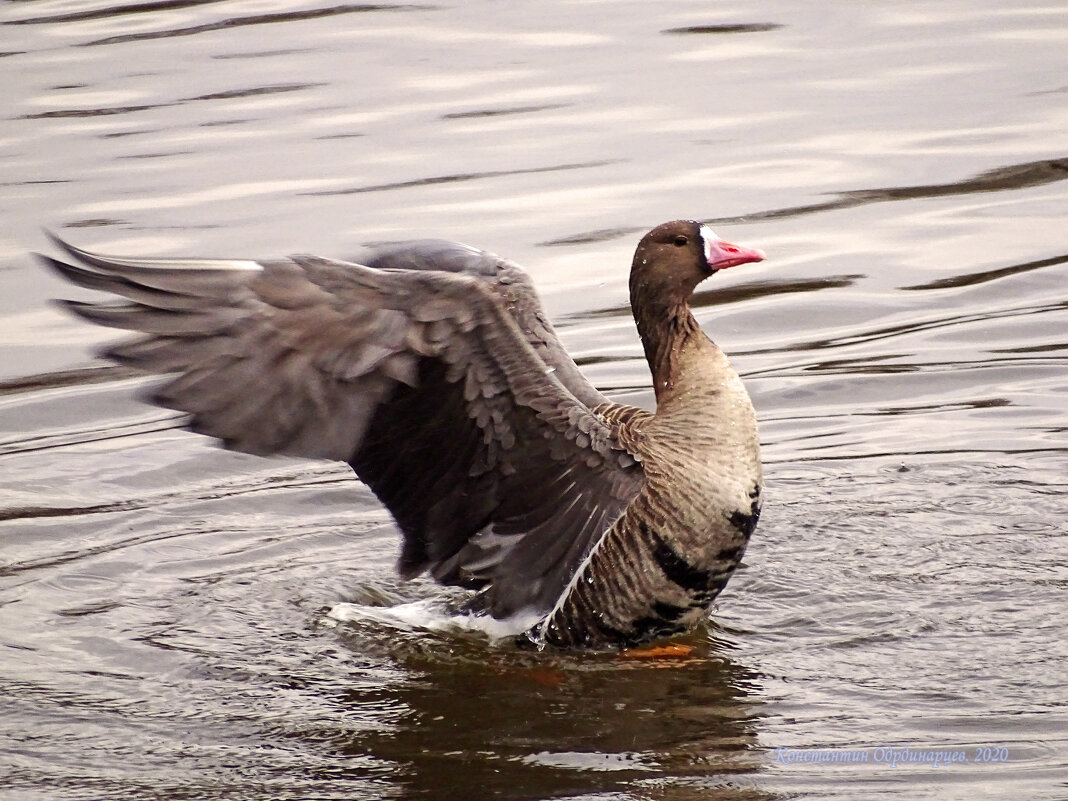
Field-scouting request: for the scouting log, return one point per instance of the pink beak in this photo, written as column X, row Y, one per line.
column 722, row 255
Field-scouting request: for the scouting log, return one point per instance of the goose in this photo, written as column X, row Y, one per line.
column 431, row 368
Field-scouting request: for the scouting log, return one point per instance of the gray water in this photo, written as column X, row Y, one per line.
column 165, row 622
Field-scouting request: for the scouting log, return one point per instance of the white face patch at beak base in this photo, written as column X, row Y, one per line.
column 720, row 255
column 708, row 236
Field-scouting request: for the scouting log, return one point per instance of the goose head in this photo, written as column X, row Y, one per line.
column 673, row 258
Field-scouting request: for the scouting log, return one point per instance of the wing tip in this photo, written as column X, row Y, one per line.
column 84, row 257
column 65, row 246
column 61, row 268
column 73, row 306
column 93, row 312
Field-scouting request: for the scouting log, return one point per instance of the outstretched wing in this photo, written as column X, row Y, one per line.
column 441, row 387
column 509, row 282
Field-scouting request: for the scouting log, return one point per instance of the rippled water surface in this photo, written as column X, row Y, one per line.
column 164, row 627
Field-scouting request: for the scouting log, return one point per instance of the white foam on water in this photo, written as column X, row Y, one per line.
column 429, row 615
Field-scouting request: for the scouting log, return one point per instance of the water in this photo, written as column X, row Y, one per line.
column 165, row 625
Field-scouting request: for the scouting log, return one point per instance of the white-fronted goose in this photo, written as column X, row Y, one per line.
column 431, row 369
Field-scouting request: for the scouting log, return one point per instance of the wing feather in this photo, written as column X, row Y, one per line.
column 431, row 369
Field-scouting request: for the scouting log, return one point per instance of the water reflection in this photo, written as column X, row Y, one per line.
column 487, row 724
column 459, row 178
column 926, row 324
column 113, row 11
column 1013, row 176
column 501, row 112
column 229, row 22
column 232, row 94
column 736, row 293
column 750, row 27
column 971, row 279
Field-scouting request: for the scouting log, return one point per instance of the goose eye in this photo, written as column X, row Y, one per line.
column 681, row 241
